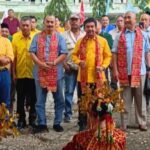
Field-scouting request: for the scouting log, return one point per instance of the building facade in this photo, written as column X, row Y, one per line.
column 37, row 6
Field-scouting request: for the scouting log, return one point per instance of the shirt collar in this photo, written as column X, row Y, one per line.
column 117, row 30
column 127, row 30
column 22, row 37
column 94, row 38
column 148, row 29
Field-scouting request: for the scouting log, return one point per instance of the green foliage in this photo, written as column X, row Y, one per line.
column 99, row 7
column 142, row 4
column 58, row 8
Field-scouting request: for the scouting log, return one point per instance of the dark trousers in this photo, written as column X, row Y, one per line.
column 82, row 118
column 26, row 90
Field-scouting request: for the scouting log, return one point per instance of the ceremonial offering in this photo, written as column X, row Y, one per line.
column 7, row 125
column 99, row 104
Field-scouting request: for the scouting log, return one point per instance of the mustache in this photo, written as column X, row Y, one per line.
column 50, row 26
column 90, row 31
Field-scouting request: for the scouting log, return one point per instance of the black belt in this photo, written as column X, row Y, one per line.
column 3, row 69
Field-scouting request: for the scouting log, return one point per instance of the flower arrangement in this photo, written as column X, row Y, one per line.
column 7, row 125
column 99, row 104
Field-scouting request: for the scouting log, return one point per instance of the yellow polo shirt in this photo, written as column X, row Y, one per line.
column 6, row 50
column 24, row 63
column 60, row 29
column 33, row 32
column 105, row 57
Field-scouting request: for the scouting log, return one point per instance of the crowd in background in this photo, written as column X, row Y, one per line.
column 61, row 58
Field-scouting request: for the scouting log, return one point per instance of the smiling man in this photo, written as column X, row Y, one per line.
column 93, row 56
column 130, row 48
column 48, row 50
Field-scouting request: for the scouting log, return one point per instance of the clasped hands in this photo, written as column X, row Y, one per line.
column 82, row 64
column 47, row 65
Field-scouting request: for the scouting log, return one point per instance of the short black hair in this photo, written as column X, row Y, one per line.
column 25, row 18
column 4, row 25
column 10, row 10
column 89, row 20
column 105, row 16
column 33, row 17
column 57, row 17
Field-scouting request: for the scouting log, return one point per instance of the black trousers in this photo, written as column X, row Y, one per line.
column 26, row 91
column 82, row 118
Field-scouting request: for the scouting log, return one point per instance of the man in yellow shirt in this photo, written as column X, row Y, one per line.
column 58, row 27
column 6, row 57
column 93, row 56
column 23, row 68
column 34, row 30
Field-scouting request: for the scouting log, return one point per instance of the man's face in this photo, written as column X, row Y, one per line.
column 57, row 22
column 33, row 24
column 90, row 29
column 5, row 32
column 120, row 22
column 129, row 20
column 25, row 27
column 49, row 23
column 67, row 25
column 146, row 20
column 11, row 13
column 75, row 23
column 105, row 21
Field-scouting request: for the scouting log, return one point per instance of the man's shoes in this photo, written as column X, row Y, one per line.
column 143, row 127
column 40, row 129
column 21, row 124
column 32, row 124
column 58, row 128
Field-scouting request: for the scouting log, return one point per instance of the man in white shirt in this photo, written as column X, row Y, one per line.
column 119, row 27
column 71, row 36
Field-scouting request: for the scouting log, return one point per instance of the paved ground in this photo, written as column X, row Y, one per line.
column 136, row 140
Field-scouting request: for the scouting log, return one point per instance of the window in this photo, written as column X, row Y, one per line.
column 120, row 1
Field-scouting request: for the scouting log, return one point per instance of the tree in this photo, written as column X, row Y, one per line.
column 143, row 4
column 100, row 7
column 58, row 8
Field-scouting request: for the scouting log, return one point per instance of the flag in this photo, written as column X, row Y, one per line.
column 5, row 15
column 82, row 17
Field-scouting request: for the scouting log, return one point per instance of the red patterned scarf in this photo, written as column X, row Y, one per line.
column 136, row 60
column 82, row 55
column 48, row 78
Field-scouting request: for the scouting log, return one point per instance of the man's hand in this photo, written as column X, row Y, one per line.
column 100, row 69
column 115, row 75
column 67, row 67
column 44, row 66
column 82, row 64
column 4, row 60
column 14, row 77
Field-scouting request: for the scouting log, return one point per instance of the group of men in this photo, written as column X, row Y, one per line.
column 56, row 60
